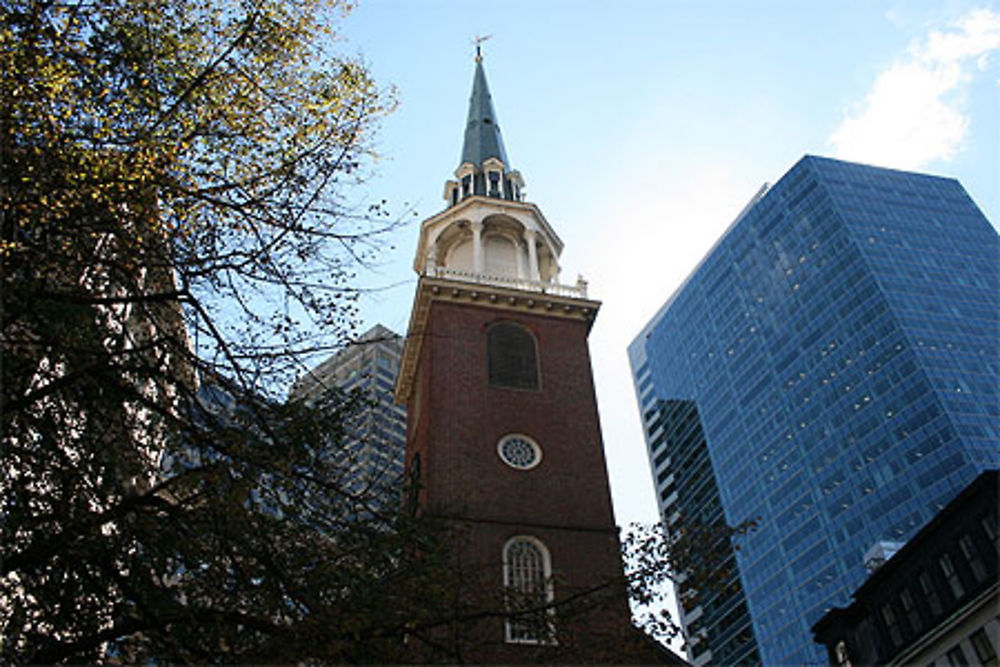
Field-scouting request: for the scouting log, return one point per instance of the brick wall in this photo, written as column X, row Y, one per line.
column 564, row 501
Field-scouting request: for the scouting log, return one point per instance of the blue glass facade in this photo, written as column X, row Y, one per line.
column 841, row 345
column 715, row 619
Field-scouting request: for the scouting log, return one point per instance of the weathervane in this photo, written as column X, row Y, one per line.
column 477, row 40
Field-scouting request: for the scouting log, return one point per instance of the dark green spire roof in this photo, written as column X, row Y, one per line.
column 482, row 132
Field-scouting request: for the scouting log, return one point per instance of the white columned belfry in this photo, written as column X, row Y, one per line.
column 485, row 216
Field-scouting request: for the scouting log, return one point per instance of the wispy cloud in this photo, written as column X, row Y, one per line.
column 915, row 112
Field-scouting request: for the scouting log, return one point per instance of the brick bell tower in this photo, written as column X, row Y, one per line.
column 503, row 437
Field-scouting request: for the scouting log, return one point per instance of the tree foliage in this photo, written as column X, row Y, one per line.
column 173, row 208
column 693, row 556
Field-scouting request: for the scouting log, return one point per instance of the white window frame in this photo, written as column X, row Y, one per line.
column 531, row 442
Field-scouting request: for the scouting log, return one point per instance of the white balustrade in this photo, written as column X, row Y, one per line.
column 578, row 291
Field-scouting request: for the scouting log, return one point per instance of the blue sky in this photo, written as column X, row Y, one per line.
column 643, row 127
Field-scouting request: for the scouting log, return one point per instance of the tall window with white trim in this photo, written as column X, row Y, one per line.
column 527, row 572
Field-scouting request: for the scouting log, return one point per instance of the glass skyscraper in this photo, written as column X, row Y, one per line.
column 840, row 344
column 372, row 457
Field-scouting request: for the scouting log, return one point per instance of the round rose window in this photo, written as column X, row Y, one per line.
column 519, row 452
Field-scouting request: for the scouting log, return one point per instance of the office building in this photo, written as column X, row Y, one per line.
column 840, row 345
column 715, row 619
column 372, row 456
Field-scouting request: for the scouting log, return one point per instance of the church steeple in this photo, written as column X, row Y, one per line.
column 482, row 131
column 488, row 234
column 484, row 169
column 503, row 437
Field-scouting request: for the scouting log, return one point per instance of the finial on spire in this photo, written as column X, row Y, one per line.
column 477, row 40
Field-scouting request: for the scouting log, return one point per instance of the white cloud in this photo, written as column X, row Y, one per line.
column 977, row 33
column 914, row 112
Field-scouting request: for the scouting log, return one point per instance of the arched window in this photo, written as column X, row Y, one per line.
column 512, row 359
column 527, row 575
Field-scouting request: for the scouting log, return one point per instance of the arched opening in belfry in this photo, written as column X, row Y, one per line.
column 460, row 255
column 501, row 258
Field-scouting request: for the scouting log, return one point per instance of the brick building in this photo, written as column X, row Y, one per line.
column 503, row 437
